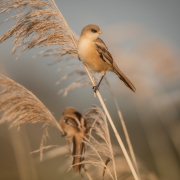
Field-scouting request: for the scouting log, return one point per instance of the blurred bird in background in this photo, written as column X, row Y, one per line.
column 95, row 55
column 74, row 127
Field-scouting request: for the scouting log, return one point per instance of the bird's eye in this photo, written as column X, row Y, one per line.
column 93, row 30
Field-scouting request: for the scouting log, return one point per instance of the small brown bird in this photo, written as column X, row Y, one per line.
column 95, row 55
column 74, row 127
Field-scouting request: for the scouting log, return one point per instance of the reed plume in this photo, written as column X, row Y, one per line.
column 19, row 106
column 39, row 24
column 100, row 147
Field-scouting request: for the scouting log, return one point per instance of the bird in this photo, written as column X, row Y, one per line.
column 94, row 54
column 74, row 130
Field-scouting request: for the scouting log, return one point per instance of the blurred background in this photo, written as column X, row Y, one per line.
column 143, row 38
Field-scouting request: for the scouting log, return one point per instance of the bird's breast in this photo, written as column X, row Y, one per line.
column 85, row 47
column 88, row 54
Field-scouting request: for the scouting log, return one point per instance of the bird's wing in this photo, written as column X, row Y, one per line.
column 106, row 56
column 103, row 51
column 78, row 152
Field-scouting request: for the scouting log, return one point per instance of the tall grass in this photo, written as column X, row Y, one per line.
column 40, row 23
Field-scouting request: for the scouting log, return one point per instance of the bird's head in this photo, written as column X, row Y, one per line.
column 91, row 31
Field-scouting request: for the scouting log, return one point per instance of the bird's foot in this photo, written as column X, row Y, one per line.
column 95, row 88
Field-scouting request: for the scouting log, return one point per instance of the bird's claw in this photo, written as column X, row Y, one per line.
column 95, row 88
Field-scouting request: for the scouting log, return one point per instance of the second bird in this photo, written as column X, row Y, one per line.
column 95, row 55
column 73, row 126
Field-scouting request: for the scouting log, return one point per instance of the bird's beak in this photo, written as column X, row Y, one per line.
column 99, row 32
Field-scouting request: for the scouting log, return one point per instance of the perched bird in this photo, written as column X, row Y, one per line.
column 74, row 127
column 95, row 55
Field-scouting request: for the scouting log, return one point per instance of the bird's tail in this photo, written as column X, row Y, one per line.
column 78, row 152
column 126, row 81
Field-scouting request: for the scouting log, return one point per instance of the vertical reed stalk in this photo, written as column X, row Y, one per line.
column 114, row 129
